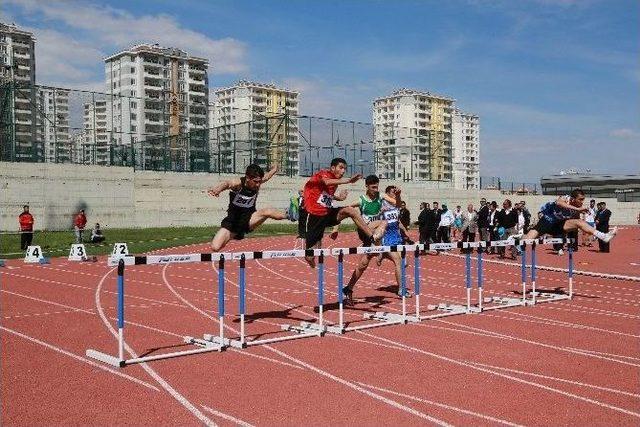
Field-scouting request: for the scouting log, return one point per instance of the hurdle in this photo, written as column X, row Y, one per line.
column 446, row 309
column 122, row 261
column 542, row 297
column 505, row 302
column 305, row 330
column 382, row 318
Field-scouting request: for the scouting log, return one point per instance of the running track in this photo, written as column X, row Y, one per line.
column 570, row 362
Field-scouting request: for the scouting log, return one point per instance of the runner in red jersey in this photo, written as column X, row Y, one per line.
column 319, row 194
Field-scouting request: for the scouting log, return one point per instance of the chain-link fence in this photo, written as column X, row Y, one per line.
column 56, row 125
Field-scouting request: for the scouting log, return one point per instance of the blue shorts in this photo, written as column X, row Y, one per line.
column 392, row 239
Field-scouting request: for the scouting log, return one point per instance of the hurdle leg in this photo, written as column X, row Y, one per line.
column 523, row 274
column 241, row 284
column 320, row 290
column 570, row 272
column 340, row 286
column 467, row 264
column 480, row 297
column 533, row 274
column 416, row 279
column 403, row 284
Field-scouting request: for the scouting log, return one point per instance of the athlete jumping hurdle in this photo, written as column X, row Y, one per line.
column 319, row 194
column 563, row 215
column 390, row 214
column 242, row 216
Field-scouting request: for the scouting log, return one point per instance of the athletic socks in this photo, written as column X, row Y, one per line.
column 606, row 237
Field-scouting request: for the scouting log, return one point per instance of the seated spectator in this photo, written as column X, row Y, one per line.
column 96, row 234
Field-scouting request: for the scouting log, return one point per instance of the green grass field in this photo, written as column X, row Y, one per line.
column 138, row 240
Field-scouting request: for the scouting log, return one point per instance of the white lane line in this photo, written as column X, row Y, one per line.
column 563, row 380
column 227, row 417
column 441, row 405
column 311, row 367
column 164, row 384
column 539, row 343
column 509, row 377
column 79, row 358
column 573, row 325
column 607, row 354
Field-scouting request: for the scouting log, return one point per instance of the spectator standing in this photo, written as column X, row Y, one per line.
column 79, row 222
column 96, row 234
column 493, row 221
column 25, row 219
column 526, row 214
column 405, row 215
column 469, row 225
column 602, row 224
column 436, row 214
column 589, row 218
column 444, row 226
column 507, row 220
column 423, row 222
column 457, row 223
column 483, row 220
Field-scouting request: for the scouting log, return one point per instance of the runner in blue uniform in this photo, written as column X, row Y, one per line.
column 563, row 215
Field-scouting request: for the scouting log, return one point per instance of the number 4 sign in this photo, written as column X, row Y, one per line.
column 120, row 249
column 77, row 253
column 34, row 254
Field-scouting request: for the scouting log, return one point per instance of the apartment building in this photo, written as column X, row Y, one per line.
column 53, row 124
column 93, row 145
column 155, row 92
column 18, row 64
column 413, row 135
column 466, row 150
column 256, row 123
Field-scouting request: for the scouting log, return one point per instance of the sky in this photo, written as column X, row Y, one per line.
column 556, row 83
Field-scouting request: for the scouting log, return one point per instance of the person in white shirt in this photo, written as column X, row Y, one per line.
column 444, row 227
column 469, row 225
column 590, row 218
column 457, row 223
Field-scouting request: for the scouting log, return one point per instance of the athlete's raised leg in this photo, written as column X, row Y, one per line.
column 261, row 215
column 220, row 240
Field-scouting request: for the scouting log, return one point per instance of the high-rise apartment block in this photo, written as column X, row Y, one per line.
column 93, row 146
column 256, row 123
column 412, row 135
column 18, row 64
column 155, row 91
column 466, row 150
column 53, row 124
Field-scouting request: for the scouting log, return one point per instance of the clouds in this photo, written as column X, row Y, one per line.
column 74, row 37
column 625, row 133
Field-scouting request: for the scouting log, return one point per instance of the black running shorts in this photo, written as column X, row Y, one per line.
column 317, row 224
column 551, row 228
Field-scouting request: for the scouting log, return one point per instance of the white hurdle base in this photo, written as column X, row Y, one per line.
column 541, row 297
column 120, row 363
column 443, row 310
column 501, row 302
column 310, row 328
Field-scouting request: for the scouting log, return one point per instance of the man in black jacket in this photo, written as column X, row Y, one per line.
column 602, row 224
column 483, row 221
column 434, row 219
column 507, row 219
column 423, row 222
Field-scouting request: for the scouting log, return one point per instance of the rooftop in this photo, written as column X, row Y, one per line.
column 156, row 49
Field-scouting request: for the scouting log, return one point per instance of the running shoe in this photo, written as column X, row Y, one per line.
column 407, row 293
column 560, row 252
column 610, row 235
column 347, row 291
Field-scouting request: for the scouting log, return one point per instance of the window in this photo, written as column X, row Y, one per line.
column 133, row 70
column 133, row 104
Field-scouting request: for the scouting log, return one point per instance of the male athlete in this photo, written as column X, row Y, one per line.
column 390, row 213
column 319, row 194
column 562, row 216
column 242, row 216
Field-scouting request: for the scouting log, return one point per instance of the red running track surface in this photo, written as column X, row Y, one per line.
column 567, row 362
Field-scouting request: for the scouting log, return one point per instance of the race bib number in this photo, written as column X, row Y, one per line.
column 244, row 201
column 392, row 216
column 325, row 200
column 370, row 218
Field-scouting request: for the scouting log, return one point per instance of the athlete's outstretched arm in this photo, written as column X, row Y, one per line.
column 341, row 181
column 224, row 185
column 270, row 174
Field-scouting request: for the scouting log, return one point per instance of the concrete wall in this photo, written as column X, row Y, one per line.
column 120, row 197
